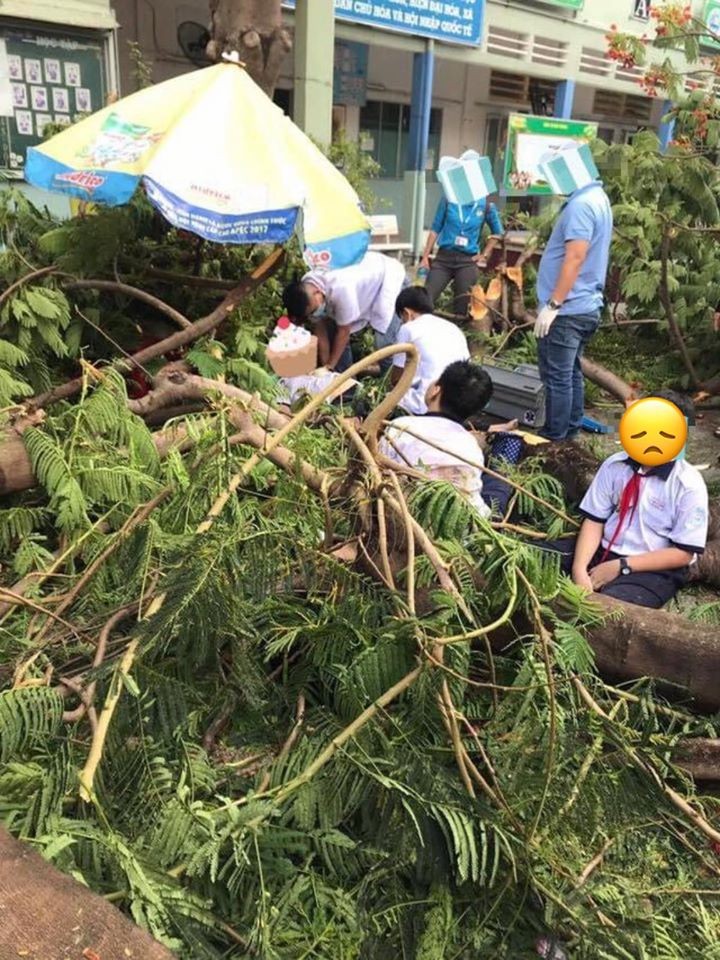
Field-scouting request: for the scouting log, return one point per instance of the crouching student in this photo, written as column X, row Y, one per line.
column 438, row 342
column 440, row 444
column 643, row 528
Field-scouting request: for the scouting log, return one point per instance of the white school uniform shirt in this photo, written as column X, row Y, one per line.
column 410, row 441
column 439, row 343
column 672, row 509
column 363, row 294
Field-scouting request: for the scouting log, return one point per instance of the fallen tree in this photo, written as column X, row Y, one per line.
column 269, row 697
column 73, row 921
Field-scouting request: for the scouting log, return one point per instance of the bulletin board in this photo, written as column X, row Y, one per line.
column 54, row 78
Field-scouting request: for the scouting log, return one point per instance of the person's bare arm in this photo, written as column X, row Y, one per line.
column 669, row 558
column 395, row 374
column 588, row 541
column 342, row 338
column 321, row 332
column 575, row 254
column 429, row 246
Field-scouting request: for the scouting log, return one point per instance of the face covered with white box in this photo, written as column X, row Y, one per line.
column 568, row 169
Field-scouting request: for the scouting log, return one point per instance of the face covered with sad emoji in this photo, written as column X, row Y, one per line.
column 653, row 431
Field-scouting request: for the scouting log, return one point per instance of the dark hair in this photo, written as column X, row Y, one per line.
column 681, row 401
column 296, row 300
column 465, row 389
column 416, row 299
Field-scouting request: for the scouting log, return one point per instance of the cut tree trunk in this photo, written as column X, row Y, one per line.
column 49, row 916
column 638, row 642
column 607, row 380
column 254, row 30
column 700, row 757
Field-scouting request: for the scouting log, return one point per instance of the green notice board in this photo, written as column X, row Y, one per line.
column 568, row 4
column 711, row 16
column 528, row 138
column 54, row 78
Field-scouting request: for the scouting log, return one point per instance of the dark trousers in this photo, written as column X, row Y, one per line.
column 461, row 269
column 559, row 355
column 496, row 493
column 646, row 589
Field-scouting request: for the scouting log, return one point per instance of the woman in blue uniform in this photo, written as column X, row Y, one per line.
column 458, row 230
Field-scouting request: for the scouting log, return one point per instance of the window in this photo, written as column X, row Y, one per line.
column 384, row 130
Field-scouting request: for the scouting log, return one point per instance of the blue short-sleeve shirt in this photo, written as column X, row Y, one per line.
column 459, row 228
column 587, row 215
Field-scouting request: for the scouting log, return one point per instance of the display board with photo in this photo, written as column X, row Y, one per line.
column 55, row 77
column 528, row 138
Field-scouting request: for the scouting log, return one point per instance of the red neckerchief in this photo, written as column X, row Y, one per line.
column 629, row 499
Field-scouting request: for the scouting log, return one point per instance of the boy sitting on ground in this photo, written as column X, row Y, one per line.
column 643, row 527
column 439, row 343
column 438, row 442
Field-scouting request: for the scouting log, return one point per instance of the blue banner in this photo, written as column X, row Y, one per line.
column 453, row 21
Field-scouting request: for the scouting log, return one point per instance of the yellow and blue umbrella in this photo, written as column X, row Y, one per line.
column 217, row 158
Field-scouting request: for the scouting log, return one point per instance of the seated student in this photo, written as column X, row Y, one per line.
column 461, row 391
column 439, row 343
column 639, row 551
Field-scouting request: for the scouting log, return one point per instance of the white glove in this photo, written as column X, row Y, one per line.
column 545, row 319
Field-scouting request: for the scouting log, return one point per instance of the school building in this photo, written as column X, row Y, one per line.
column 386, row 72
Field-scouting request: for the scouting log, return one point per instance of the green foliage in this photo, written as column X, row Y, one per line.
column 356, row 166
column 654, row 197
column 255, row 796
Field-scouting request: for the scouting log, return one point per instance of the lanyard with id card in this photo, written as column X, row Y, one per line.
column 461, row 240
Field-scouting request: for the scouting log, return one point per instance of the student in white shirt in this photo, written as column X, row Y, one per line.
column 461, row 392
column 638, row 548
column 439, row 343
column 340, row 303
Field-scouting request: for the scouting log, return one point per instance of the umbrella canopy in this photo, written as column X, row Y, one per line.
column 217, row 158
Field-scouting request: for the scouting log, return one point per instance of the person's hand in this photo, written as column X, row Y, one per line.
column 582, row 578
column 545, row 319
column 424, row 262
column 604, row 573
column 503, row 427
column 716, row 321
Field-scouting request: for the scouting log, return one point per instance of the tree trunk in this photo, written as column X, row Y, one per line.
column 607, row 380
column 253, row 29
column 639, row 642
column 49, row 916
column 700, row 757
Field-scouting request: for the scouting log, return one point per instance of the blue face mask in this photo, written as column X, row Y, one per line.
column 320, row 312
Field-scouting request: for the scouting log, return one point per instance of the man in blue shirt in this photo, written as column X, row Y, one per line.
column 457, row 230
column 570, row 284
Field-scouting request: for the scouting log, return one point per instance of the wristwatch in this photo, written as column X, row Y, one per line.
column 624, row 567
column 554, row 304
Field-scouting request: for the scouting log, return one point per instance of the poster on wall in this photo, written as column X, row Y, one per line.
column 350, row 74
column 528, row 138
